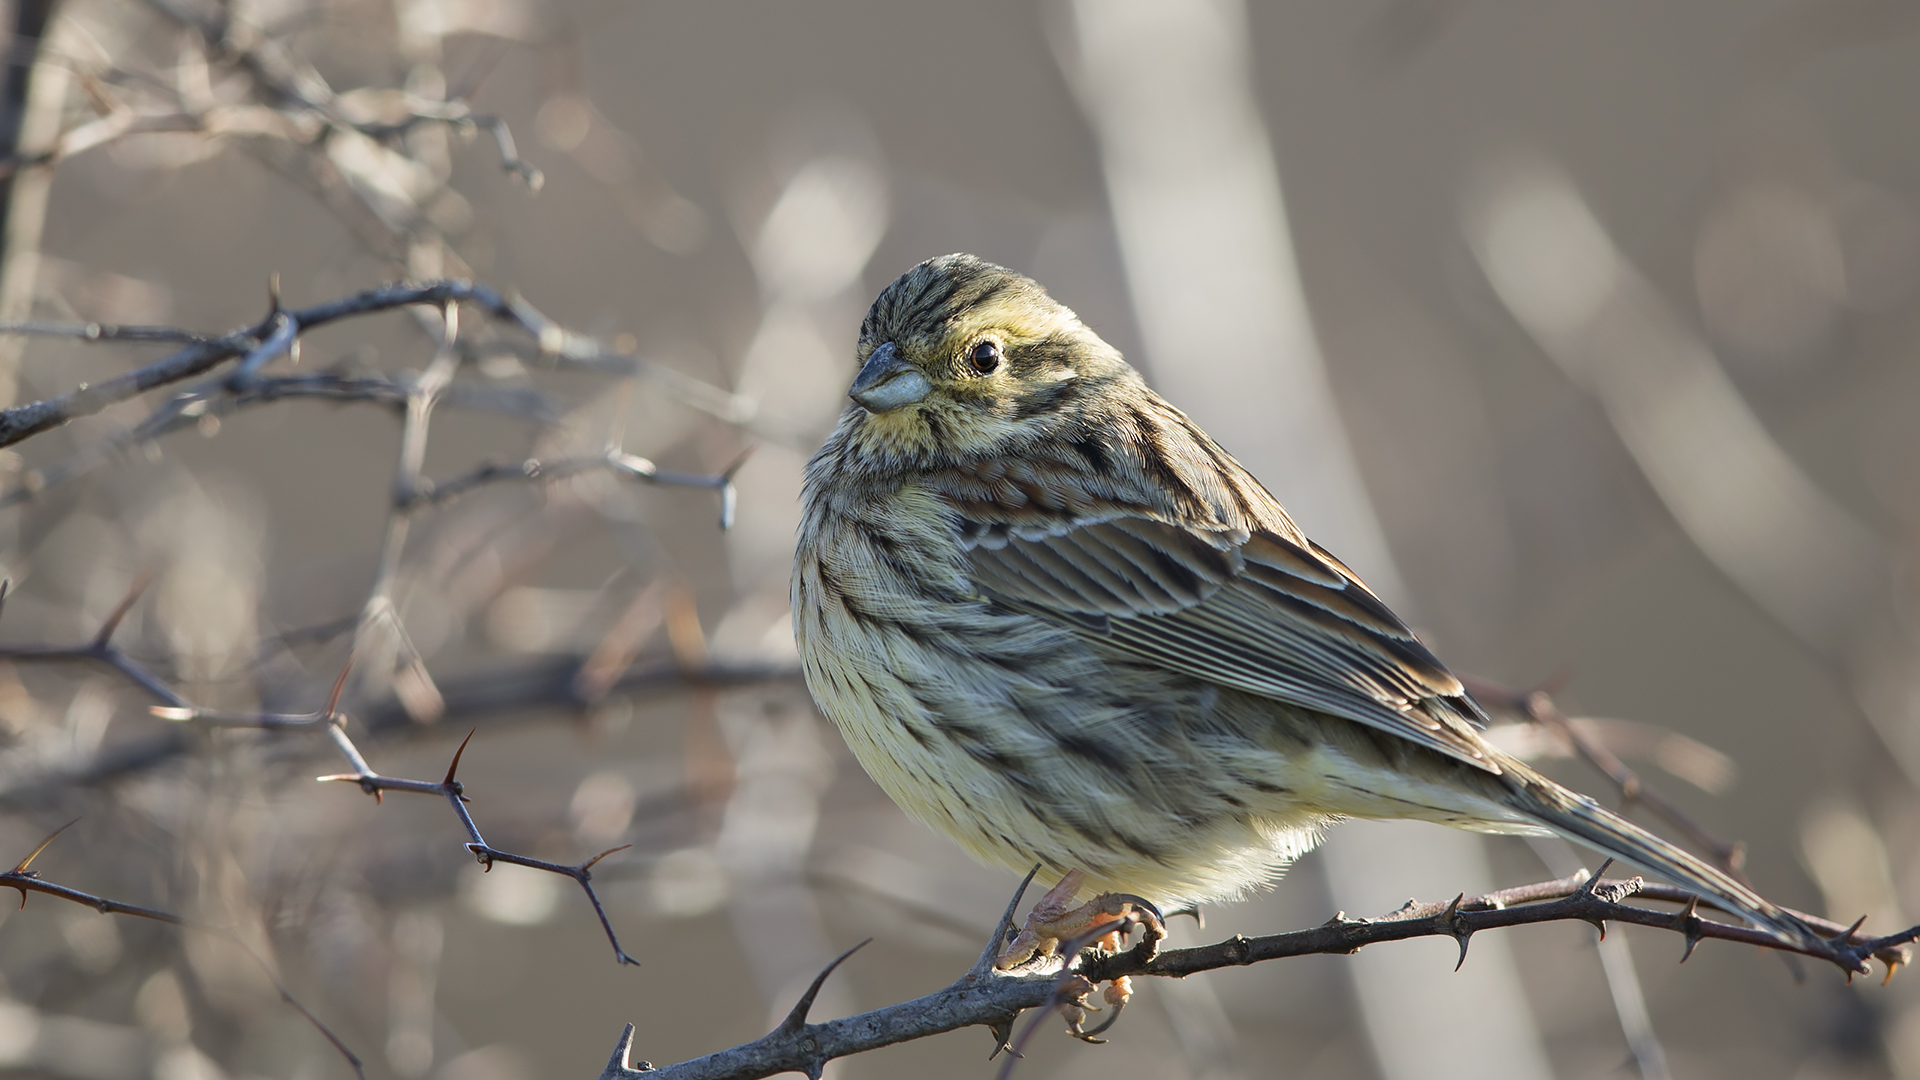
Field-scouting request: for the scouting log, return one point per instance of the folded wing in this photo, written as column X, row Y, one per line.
column 1264, row 613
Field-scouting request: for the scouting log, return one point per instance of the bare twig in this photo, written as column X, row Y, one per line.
column 486, row 696
column 617, row 461
column 453, row 791
column 106, row 333
column 99, row 649
column 25, row 880
column 993, row 999
column 203, row 354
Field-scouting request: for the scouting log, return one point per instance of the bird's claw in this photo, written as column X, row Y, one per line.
column 1116, row 995
column 1100, row 922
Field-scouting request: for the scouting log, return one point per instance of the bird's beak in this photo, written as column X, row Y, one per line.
column 887, row 381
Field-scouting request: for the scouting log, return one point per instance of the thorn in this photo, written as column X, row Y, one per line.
column 455, row 765
column 1690, row 927
column 119, row 613
column 273, row 294
column 1591, row 883
column 1003, row 1031
column 588, row 865
column 339, row 684
column 621, row 1063
column 21, row 870
column 727, row 473
column 6, row 586
column 1451, row 921
column 999, row 938
column 1847, row 934
column 21, row 867
column 797, row 1019
column 1892, row 966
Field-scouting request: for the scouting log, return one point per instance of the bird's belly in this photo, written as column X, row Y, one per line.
column 1050, row 754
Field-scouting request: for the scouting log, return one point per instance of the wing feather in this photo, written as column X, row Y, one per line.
column 1259, row 613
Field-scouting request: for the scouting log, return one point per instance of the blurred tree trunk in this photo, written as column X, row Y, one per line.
column 29, row 123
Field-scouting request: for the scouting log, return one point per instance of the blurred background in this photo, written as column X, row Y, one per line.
column 1585, row 332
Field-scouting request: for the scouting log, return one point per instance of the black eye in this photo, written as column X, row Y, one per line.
column 985, row 357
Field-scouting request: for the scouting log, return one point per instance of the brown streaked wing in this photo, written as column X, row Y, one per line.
column 1266, row 616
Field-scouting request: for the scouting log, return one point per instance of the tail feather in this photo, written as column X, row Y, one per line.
column 1579, row 818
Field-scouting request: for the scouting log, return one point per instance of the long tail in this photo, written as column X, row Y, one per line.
column 1579, row 818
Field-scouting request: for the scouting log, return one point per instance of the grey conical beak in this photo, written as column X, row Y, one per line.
column 887, row 381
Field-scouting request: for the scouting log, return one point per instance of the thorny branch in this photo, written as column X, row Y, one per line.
column 274, row 336
column 484, row 698
column 24, row 879
column 248, row 382
column 454, row 792
column 100, row 649
column 277, row 335
column 329, row 719
column 301, row 89
column 987, row 998
column 289, row 116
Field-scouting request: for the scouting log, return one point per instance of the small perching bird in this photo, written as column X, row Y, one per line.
column 1057, row 622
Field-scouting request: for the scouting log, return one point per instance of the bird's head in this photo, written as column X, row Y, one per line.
column 961, row 358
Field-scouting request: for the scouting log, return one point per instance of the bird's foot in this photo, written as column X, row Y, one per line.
column 1076, row 1006
column 1101, row 922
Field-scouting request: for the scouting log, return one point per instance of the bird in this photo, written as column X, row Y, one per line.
column 1057, row 622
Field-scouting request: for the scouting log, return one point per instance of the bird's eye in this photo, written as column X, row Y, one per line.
column 985, row 357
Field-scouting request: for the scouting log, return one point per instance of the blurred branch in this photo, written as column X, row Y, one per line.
column 275, row 334
column 30, row 116
column 1538, row 707
column 30, row 21
column 1794, row 549
column 204, row 354
column 987, row 998
column 24, row 879
column 176, row 708
column 481, row 697
column 278, row 335
column 1825, row 575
